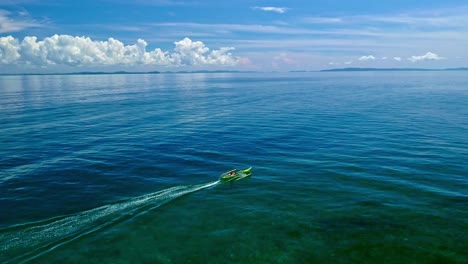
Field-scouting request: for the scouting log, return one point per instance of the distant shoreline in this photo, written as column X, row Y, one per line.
column 392, row 69
column 226, row 71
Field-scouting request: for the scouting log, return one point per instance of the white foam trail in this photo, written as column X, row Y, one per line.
column 23, row 243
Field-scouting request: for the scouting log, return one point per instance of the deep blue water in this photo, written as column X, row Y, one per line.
column 347, row 168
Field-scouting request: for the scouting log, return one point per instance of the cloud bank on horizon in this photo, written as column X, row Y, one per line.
column 83, row 51
column 298, row 35
column 426, row 57
column 429, row 56
column 366, row 58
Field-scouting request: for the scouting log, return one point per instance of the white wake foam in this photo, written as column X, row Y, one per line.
column 26, row 242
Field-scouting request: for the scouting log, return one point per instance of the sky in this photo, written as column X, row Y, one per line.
column 171, row 35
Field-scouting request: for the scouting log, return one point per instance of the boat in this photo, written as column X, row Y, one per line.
column 235, row 175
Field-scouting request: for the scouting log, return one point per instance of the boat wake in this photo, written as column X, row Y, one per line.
column 22, row 243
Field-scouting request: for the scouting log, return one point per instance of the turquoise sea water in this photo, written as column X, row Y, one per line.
column 347, row 168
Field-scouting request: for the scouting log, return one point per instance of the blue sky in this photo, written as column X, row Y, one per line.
column 45, row 35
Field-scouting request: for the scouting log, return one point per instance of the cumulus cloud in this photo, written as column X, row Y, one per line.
column 83, row 51
column 397, row 58
column 9, row 50
column 426, row 57
column 279, row 10
column 366, row 58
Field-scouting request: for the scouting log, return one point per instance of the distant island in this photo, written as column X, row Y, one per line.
column 391, row 69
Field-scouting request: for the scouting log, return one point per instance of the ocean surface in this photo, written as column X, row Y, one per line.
column 367, row 167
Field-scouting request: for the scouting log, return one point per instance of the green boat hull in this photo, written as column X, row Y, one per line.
column 235, row 175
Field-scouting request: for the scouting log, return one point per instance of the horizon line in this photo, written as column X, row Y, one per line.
column 236, row 71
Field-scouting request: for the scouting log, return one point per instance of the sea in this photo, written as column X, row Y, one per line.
column 347, row 167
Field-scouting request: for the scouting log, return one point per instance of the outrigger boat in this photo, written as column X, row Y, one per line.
column 235, row 175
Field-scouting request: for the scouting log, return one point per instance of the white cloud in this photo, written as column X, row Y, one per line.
column 322, row 20
column 11, row 22
column 216, row 29
column 366, row 58
column 280, row 10
column 426, row 57
column 83, row 51
column 455, row 17
column 397, row 58
column 348, row 63
column 434, row 18
column 188, row 52
column 8, row 50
